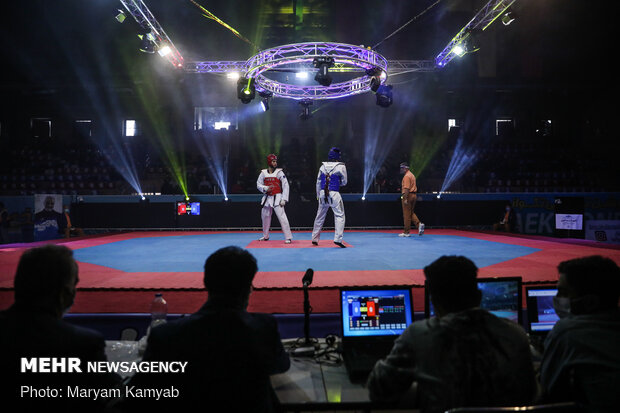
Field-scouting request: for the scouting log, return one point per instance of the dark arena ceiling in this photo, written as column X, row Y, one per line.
column 72, row 59
column 51, row 43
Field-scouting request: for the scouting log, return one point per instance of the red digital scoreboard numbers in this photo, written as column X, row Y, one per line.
column 370, row 308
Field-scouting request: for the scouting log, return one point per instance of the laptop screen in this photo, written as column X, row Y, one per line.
column 541, row 315
column 500, row 296
column 376, row 311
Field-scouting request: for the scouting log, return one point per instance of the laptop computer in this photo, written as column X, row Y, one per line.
column 372, row 318
column 500, row 296
column 541, row 316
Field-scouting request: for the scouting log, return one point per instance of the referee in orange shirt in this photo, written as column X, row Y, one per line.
column 408, row 198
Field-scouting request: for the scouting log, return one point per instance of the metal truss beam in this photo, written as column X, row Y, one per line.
column 354, row 60
column 393, row 67
column 215, row 67
column 483, row 19
column 143, row 16
column 398, row 67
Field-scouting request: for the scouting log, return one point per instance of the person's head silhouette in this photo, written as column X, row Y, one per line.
column 228, row 274
column 46, row 279
column 452, row 285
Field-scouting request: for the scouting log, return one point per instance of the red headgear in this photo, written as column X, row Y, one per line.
column 270, row 158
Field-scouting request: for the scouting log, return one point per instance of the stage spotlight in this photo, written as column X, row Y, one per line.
column 384, row 96
column 375, row 82
column 146, row 45
column 377, row 76
column 147, row 40
column 468, row 44
column 265, row 96
column 459, row 50
column 508, row 18
column 323, row 63
column 232, row 75
column 301, row 75
column 471, row 45
column 120, row 15
column 164, row 51
column 305, row 113
column 245, row 89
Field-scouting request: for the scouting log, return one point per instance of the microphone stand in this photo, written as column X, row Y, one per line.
column 307, row 310
column 307, row 280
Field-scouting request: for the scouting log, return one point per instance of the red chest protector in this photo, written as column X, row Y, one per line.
column 274, row 183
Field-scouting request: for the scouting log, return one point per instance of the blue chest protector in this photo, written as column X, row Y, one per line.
column 333, row 182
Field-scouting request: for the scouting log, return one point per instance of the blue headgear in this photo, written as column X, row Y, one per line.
column 334, row 154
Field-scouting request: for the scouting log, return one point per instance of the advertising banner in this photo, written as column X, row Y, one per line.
column 47, row 216
column 603, row 231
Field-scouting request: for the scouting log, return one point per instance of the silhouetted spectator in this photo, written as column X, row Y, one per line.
column 230, row 353
column 204, row 187
column 45, row 287
column 27, row 225
column 169, row 187
column 581, row 360
column 465, row 356
column 4, row 224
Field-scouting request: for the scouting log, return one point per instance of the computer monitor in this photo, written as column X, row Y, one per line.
column 541, row 316
column 500, row 296
column 375, row 311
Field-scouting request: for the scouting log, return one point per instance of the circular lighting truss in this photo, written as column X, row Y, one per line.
column 300, row 56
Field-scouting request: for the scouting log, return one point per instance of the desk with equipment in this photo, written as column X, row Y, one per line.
column 318, row 378
column 321, row 378
column 317, row 382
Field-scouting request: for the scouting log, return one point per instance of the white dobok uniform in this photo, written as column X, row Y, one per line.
column 278, row 184
column 336, row 175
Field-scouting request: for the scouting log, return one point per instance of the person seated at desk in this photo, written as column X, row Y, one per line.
column 581, row 359
column 33, row 329
column 66, row 226
column 230, row 353
column 464, row 356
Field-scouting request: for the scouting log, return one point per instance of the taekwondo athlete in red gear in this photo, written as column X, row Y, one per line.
column 273, row 183
column 332, row 175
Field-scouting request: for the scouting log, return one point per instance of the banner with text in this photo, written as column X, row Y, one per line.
column 47, row 217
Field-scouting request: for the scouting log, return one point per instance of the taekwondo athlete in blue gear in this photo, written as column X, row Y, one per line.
column 332, row 175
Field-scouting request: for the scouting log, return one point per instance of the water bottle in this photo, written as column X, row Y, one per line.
column 159, row 310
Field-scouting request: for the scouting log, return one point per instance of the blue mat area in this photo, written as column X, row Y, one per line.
column 371, row 251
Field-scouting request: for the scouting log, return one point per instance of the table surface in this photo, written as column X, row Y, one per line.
column 309, row 381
